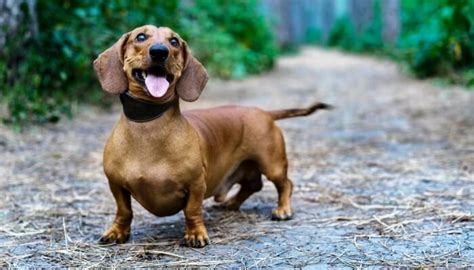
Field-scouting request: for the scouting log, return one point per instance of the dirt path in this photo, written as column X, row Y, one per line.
column 385, row 179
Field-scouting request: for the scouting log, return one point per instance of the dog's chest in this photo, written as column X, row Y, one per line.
column 155, row 186
column 155, row 176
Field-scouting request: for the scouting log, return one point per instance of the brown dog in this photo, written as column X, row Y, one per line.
column 171, row 161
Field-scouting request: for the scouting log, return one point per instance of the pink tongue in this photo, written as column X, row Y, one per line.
column 157, row 86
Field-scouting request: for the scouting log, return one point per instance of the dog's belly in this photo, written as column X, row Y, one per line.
column 223, row 181
column 161, row 197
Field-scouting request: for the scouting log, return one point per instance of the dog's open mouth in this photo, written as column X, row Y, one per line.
column 155, row 79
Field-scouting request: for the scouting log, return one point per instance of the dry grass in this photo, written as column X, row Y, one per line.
column 383, row 180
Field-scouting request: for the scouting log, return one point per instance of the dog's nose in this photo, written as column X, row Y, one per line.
column 159, row 52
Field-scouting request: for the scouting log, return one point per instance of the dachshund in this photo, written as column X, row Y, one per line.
column 169, row 160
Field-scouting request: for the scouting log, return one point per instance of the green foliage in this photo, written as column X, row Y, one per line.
column 369, row 39
column 441, row 44
column 233, row 39
column 53, row 70
column 46, row 74
column 437, row 38
column 342, row 34
column 313, row 35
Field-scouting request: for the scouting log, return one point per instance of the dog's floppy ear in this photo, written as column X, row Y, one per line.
column 109, row 67
column 193, row 77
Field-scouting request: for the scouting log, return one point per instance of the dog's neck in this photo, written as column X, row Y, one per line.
column 159, row 131
column 139, row 110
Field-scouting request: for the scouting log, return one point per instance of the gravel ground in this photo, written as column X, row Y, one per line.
column 385, row 179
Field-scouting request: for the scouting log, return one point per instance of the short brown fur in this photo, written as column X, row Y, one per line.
column 176, row 161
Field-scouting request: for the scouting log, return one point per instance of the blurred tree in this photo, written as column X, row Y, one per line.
column 280, row 9
column 311, row 27
column 391, row 21
column 296, row 20
column 12, row 16
column 14, row 20
column 361, row 12
column 327, row 18
column 432, row 37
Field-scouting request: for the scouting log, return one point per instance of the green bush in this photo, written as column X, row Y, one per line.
column 313, row 35
column 437, row 38
column 52, row 71
column 441, row 44
column 343, row 34
column 232, row 39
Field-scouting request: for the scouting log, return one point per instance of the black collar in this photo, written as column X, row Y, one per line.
column 139, row 110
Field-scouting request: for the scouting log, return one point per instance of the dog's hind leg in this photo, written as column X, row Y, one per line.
column 274, row 165
column 250, row 180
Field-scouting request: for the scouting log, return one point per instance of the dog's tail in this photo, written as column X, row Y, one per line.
column 282, row 114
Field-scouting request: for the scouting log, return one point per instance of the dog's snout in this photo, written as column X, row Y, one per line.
column 159, row 52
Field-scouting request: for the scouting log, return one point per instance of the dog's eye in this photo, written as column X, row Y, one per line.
column 174, row 42
column 141, row 37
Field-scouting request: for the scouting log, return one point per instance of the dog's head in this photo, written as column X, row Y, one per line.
column 153, row 63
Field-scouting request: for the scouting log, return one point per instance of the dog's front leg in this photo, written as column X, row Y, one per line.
column 195, row 234
column 119, row 232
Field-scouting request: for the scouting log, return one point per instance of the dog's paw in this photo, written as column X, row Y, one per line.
column 281, row 213
column 230, row 204
column 115, row 234
column 196, row 238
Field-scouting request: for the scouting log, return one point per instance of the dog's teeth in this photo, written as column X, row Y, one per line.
column 144, row 74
